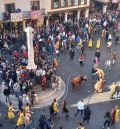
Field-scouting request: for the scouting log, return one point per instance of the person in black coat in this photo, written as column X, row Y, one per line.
column 87, row 114
column 72, row 54
column 97, row 54
column 51, row 109
column 42, row 122
column 7, row 93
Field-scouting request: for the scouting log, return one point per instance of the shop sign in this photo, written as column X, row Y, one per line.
column 16, row 17
column 36, row 14
column 26, row 15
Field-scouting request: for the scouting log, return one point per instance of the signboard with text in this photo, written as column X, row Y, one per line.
column 36, row 14
column 26, row 14
column 16, row 17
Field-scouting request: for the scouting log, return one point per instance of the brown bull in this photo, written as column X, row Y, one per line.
column 77, row 80
column 99, row 86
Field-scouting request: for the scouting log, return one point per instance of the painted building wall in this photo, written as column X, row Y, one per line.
column 47, row 5
column 24, row 5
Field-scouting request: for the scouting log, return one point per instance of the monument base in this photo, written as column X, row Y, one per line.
column 31, row 66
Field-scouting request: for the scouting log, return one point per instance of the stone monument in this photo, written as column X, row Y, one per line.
column 31, row 64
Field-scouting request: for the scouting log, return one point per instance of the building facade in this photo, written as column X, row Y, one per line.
column 107, row 4
column 65, row 7
column 10, row 10
column 20, row 11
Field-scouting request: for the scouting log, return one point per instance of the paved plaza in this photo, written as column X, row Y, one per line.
column 99, row 103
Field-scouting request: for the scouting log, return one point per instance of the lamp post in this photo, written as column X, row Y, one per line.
column 31, row 64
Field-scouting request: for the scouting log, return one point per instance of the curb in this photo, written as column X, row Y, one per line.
column 46, row 99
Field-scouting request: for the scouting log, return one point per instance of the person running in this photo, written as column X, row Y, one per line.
column 107, row 118
column 20, row 121
column 80, row 108
column 87, row 114
column 64, row 109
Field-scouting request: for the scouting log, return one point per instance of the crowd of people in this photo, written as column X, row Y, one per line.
column 49, row 42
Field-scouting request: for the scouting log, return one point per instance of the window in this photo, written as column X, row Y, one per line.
column 55, row 3
column 63, row 3
column 35, row 5
column 10, row 8
column 76, row 2
column 82, row 2
column 70, row 2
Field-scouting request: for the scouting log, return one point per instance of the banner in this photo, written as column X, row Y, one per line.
column 36, row 14
column 26, row 14
column 16, row 17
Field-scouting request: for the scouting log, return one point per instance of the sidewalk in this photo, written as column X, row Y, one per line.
column 45, row 98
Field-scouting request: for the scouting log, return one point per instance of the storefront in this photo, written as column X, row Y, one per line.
column 62, row 9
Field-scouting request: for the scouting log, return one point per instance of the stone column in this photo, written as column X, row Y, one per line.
column 31, row 64
column 78, row 15
column 66, row 17
column 104, row 8
column 86, row 13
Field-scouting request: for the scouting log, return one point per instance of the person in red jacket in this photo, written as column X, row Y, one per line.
column 43, row 84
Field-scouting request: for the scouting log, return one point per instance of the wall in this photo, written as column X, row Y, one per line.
column 24, row 5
